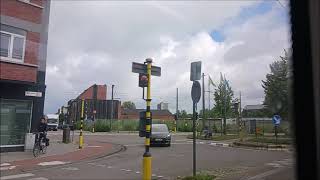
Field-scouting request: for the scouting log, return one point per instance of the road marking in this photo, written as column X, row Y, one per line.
column 5, row 164
column 159, row 176
column 128, row 170
column 153, row 175
column 265, row 174
column 109, row 167
column 17, row 176
column 101, row 165
column 71, row 168
column 284, row 162
column 276, row 165
column 51, row 163
column 201, row 142
column 123, row 169
column 39, row 178
column 7, row 168
column 137, row 172
column 94, row 146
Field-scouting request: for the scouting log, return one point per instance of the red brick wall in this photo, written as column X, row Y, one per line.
column 87, row 94
column 32, row 48
column 18, row 72
column 37, row 2
column 102, row 92
column 21, row 10
column 134, row 117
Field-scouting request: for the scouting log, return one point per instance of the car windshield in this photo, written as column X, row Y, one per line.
column 159, row 128
column 52, row 120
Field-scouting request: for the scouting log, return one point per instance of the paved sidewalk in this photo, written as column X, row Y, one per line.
column 57, row 154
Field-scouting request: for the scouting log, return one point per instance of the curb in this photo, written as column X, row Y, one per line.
column 263, row 147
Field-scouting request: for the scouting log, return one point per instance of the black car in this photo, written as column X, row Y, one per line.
column 160, row 135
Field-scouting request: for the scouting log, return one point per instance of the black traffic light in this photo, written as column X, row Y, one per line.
column 143, row 80
column 235, row 107
column 142, row 124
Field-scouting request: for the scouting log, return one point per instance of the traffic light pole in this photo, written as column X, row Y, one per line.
column 194, row 139
column 81, row 125
column 147, row 155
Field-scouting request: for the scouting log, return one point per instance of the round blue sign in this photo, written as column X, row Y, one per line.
column 276, row 120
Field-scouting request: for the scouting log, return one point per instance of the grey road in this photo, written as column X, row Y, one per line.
column 174, row 161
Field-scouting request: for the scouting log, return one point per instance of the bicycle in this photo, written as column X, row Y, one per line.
column 40, row 144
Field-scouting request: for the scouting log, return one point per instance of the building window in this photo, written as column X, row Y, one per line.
column 15, row 118
column 12, row 46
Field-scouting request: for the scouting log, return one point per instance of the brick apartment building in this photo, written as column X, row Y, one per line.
column 23, row 51
column 156, row 114
column 95, row 98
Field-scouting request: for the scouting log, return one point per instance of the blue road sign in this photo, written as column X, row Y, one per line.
column 276, row 120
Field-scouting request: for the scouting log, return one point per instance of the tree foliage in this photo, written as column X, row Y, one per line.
column 276, row 87
column 223, row 96
column 128, row 105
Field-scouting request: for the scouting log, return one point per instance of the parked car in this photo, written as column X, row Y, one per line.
column 53, row 122
column 160, row 135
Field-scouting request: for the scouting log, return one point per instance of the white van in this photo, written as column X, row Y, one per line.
column 53, row 122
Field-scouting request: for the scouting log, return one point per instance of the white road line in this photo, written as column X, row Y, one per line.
column 7, row 168
column 137, row 172
column 159, row 176
column 265, row 174
column 276, row 165
column 5, row 164
column 16, row 176
column 123, row 169
column 153, row 175
column 94, row 146
column 51, row 163
column 109, row 167
column 128, row 170
column 71, row 168
column 39, row 178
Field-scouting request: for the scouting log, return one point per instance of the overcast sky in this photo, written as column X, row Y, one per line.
column 97, row 41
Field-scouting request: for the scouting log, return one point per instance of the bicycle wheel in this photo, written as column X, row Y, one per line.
column 36, row 149
column 44, row 149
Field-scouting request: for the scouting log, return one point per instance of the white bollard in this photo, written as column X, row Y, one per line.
column 29, row 141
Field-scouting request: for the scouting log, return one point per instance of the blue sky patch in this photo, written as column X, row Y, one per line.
column 217, row 36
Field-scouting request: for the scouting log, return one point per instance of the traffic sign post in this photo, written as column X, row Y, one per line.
column 276, row 121
column 145, row 71
column 195, row 75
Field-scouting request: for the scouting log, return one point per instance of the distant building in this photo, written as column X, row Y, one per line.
column 156, row 114
column 163, row 106
column 23, row 54
column 254, row 111
column 97, row 105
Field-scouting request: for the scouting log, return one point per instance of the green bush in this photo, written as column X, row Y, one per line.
column 101, row 126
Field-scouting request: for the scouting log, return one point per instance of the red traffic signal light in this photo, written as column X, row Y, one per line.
column 143, row 80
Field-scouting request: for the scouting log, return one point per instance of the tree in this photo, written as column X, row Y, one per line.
column 128, row 105
column 182, row 114
column 276, row 87
column 223, row 96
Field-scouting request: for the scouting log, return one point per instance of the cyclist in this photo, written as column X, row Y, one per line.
column 42, row 129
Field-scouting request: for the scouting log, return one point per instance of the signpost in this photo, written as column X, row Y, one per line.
column 276, row 121
column 146, row 70
column 195, row 75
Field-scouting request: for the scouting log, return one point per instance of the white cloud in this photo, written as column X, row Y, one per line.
column 95, row 42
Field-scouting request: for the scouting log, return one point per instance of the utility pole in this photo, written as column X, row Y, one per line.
column 177, row 110
column 225, row 108
column 203, row 103
column 112, row 86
